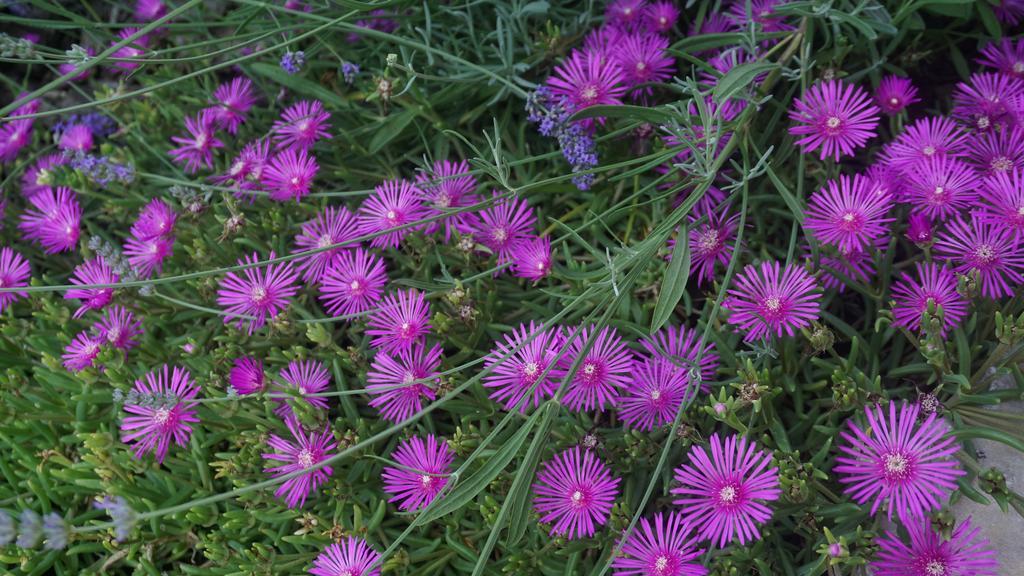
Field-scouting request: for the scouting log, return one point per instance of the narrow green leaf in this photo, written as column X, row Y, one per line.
column 674, row 283
column 990, row 434
column 390, row 129
column 520, row 508
column 988, row 18
column 644, row 114
column 297, row 84
column 740, row 78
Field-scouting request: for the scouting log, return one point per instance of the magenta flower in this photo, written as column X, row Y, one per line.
column 661, row 17
column 511, row 373
column 14, row 273
column 290, row 174
column 394, row 203
column 147, row 256
column 653, row 398
column 531, row 258
column 712, row 243
column 71, row 67
column 625, row 13
column 834, row 116
column 82, row 352
column 399, row 383
column 76, row 137
column 898, row 459
column 164, row 413
column 301, row 125
column 36, row 178
column 95, row 271
column 119, row 328
column 894, row 94
column 586, row 78
column 306, row 451
column 353, row 283
column 714, row 23
column 232, row 102
column 723, row 495
column 942, row 187
column 53, row 220
column 155, row 220
column 423, row 475
column 600, row 40
column 1007, row 56
column 602, row 371
column 574, row 492
column 16, row 134
column 255, row 294
column 196, row 149
column 919, row 229
column 935, row 137
column 989, row 249
column 246, row 171
column 998, row 151
column 762, row 13
column 246, row 376
column 305, row 377
column 124, row 58
column 331, row 226
column 402, row 320
column 663, row 547
column 1009, row 11
column 643, row 59
column 769, row 299
column 849, row 214
column 987, row 100
column 149, row 10
column 448, row 186
column 1003, row 193
column 929, row 553
column 352, row 557
column 681, row 347
column 934, row 283
column 504, row 225
column 857, row 265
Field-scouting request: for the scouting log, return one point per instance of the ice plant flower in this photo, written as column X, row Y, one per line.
column 933, row 137
column 1003, row 194
column 712, row 243
column 682, row 347
column 38, row 177
column 81, row 353
column 723, row 490
column 512, row 373
column 147, row 256
column 643, row 59
column 246, row 376
column 305, row 377
column 602, row 371
column 301, row 125
column 352, row 557
column 166, row 415
column 919, row 229
column 399, row 383
column 987, row 100
column 987, row 248
column 155, row 219
column 998, row 151
column 835, row 117
column 16, row 134
column 531, row 258
column 849, row 213
column 855, row 265
column 942, row 187
column 662, row 547
column 502, row 226
column 771, row 299
column 625, row 13
column 333, row 225
column 894, row 94
column 94, row 271
column 125, row 57
column 401, row 320
column 393, row 203
column 585, row 78
column 1007, row 57
column 654, row 395
column 899, row 459
column 259, row 292
column 423, row 473
column 14, row 273
column 195, row 150
column 661, row 17
column 76, row 137
column 934, row 285
column 53, row 219
column 246, row 172
column 574, row 492
column 119, row 328
column 352, row 283
column 762, row 13
column 290, row 174
column 929, row 553
column 302, row 452
column 448, row 186
column 231, row 103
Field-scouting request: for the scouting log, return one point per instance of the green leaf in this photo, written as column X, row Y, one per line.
column 644, row 114
column 391, row 128
column 791, row 202
column 520, row 511
column 297, row 84
column 990, row 434
column 739, row 78
column 674, row 283
column 988, row 18
column 702, row 42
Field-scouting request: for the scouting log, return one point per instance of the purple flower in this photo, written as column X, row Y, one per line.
column 663, row 547
column 602, row 371
column 575, row 492
column 331, row 226
column 531, row 258
column 849, row 213
column 196, row 148
column 399, row 383
column 934, row 283
column 769, row 299
column 989, row 249
column 393, row 203
column 290, row 174
column 504, row 225
column 714, row 23
column 654, row 395
column 379, row 20
column 402, row 320
column 101, row 170
column 149, row 10
column 711, row 243
column 987, row 100
column 512, row 373
column 153, row 426
column 94, row 271
column 1003, row 193
column 349, row 71
column 82, row 352
column 155, row 220
column 448, row 186
column 353, row 283
column 894, row 94
column 997, row 151
column 351, row 557
column 855, row 265
column 661, row 17
column 587, row 79
column 625, row 14
column 257, row 293
column 53, row 220
column 293, row 62
column 762, row 13
column 147, row 256
column 301, row 125
column 36, row 179
column 423, row 473
column 231, row 103
column 935, row 137
column 119, row 328
column 681, row 346
column 941, row 187
column 919, row 229
column 929, row 553
column 305, row 377
column 76, row 137
column 643, row 59
column 1007, row 56
column 14, row 272
column 834, row 116
column 306, row 451
column 723, row 494
column 74, row 64
column 1010, row 11
column 246, row 376
column 901, row 459
column 16, row 134
column 246, row 172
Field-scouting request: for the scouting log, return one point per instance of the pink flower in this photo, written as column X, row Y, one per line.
column 246, row 376
column 989, row 249
column 661, row 17
column 518, row 375
column 654, row 395
column 231, row 103
column 682, row 347
column 76, row 137
column 16, row 134
column 894, row 94
column 398, row 384
column 257, row 293
column 643, row 59
column 351, row 557
column 942, row 187
column 531, row 258
column 246, row 171
column 165, row 412
column 125, row 58
column 36, row 178
column 155, row 220
column 663, row 547
column 448, row 186
column 305, row 377
column 1007, row 56
column 919, row 229
column 196, row 149
column 331, row 226
column 82, row 352
column 53, row 220
column 711, row 243
column 986, row 101
column 402, row 320
column 997, row 151
column 625, row 13
column 934, row 284
column 14, row 272
column 929, row 553
column 834, row 116
column 769, row 299
column 290, row 174
column 762, row 13
column 306, row 451
column 353, row 283
column 1003, row 193
column 602, row 371
column 935, row 137
column 147, row 256
column 301, row 125
column 503, row 226
column 423, row 473
column 574, row 492
column 857, row 265
column 586, row 78
column 119, row 328
column 849, row 214
column 95, row 271
column 394, row 203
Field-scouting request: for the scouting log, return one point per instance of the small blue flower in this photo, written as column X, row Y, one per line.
column 292, row 62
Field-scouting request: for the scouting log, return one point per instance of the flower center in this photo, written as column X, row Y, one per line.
column 391, row 216
column 355, row 286
column 939, row 191
column 708, row 241
column 727, row 495
column 237, row 168
column 894, row 101
column 201, row 141
column 935, row 568
column 304, row 126
column 295, row 181
column 427, row 481
column 772, row 304
column 443, row 200
column 660, row 564
column 833, row 122
column 258, row 295
column 500, row 235
column 1002, row 164
column 405, row 329
column 305, row 458
column 656, row 395
column 161, row 415
column 928, row 150
column 984, row 122
column 409, row 378
column 985, row 253
column 1018, row 67
column 577, row 499
column 531, row 369
column 640, row 66
column 588, row 93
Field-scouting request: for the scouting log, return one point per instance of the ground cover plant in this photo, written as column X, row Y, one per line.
column 352, row 288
